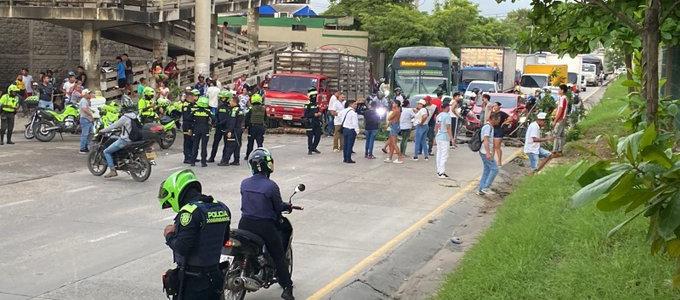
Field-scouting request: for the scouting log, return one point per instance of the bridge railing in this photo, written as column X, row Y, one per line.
column 137, row 5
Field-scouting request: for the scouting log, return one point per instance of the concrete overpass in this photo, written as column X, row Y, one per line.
column 148, row 24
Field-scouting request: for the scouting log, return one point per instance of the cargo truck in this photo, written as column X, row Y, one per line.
column 538, row 76
column 296, row 72
column 489, row 64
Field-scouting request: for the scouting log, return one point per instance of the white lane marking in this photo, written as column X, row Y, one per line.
column 16, row 203
column 176, row 168
column 85, row 188
column 278, row 146
column 165, row 219
column 107, row 236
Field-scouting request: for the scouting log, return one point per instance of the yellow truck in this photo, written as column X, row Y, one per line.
column 538, row 76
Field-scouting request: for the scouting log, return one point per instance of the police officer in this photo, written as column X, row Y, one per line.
column 312, row 122
column 255, row 120
column 230, row 135
column 147, row 106
column 9, row 103
column 202, row 118
column 197, row 236
column 238, row 130
column 261, row 207
column 188, row 106
column 222, row 112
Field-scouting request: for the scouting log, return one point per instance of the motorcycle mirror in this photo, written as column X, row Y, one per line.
column 300, row 188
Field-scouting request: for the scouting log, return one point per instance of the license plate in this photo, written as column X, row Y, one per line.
column 228, row 258
column 288, row 117
column 151, row 155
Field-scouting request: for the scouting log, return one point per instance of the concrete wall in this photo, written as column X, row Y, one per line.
column 352, row 42
column 39, row 46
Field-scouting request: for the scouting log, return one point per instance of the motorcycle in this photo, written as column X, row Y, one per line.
column 108, row 114
column 169, row 132
column 247, row 265
column 470, row 120
column 136, row 158
column 53, row 122
column 29, row 128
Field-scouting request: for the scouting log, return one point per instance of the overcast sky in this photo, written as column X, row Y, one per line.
column 487, row 8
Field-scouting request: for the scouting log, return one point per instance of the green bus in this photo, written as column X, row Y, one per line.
column 422, row 70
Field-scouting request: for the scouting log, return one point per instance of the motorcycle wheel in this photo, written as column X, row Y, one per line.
column 29, row 131
column 229, row 294
column 96, row 163
column 44, row 135
column 168, row 139
column 289, row 259
column 142, row 172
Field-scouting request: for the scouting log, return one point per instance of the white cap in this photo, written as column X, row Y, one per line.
column 470, row 94
column 422, row 101
column 86, row 91
column 541, row 116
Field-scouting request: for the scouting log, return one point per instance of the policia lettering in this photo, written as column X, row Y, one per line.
column 9, row 103
column 197, row 236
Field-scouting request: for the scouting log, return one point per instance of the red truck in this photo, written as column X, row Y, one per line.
column 286, row 96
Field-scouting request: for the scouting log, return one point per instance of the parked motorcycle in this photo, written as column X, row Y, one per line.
column 29, row 128
column 136, row 158
column 169, row 132
column 246, row 263
column 53, row 122
column 470, row 120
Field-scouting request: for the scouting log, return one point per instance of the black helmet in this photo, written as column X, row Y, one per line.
column 128, row 107
column 261, row 161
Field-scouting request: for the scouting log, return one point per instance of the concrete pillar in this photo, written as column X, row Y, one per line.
column 90, row 55
column 253, row 25
column 160, row 47
column 202, row 39
column 214, row 34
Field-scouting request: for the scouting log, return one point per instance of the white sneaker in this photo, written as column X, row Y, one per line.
column 336, row 150
column 415, row 158
column 480, row 193
column 397, row 161
column 488, row 191
column 387, row 160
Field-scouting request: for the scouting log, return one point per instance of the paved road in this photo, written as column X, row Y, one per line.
column 69, row 235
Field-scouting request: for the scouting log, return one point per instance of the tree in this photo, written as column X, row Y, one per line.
column 641, row 24
column 399, row 26
column 361, row 8
column 453, row 21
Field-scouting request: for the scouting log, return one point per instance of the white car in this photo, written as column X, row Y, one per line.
column 483, row 86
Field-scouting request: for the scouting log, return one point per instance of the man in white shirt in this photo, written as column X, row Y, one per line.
column 350, row 128
column 335, row 106
column 532, row 143
column 27, row 79
column 212, row 92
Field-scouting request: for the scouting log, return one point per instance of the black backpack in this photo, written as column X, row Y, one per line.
column 476, row 141
column 135, row 133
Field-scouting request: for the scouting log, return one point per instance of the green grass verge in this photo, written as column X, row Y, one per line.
column 604, row 117
column 539, row 247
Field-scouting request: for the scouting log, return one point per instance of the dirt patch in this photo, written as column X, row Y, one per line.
column 425, row 282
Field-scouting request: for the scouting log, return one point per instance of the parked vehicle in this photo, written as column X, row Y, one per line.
column 286, row 96
column 589, row 71
column 29, row 131
column 169, row 132
column 509, row 104
column 246, row 263
column 576, row 81
column 53, row 122
column 422, row 70
column 495, row 64
column 538, row 76
column 483, row 86
column 136, row 158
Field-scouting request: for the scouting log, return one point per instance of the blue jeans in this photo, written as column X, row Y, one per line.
column 421, row 140
column 349, row 136
column 86, row 127
column 535, row 157
column 370, row 140
column 111, row 149
column 46, row 104
column 330, row 127
column 489, row 173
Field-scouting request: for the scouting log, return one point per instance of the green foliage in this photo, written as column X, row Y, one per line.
column 643, row 176
column 537, row 248
column 574, row 133
column 398, row 26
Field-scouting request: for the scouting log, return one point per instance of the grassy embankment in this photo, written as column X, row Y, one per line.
column 540, row 247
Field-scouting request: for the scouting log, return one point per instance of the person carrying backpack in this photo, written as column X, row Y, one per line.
column 130, row 131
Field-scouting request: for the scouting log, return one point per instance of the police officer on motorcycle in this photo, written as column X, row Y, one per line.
column 9, row 104
column 223, row 111
column 261, row 207
column 147, row 106
column 312, row 122
column 197, row 236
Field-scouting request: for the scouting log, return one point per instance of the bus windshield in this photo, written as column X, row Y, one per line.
column 470, row 75
column 414, row 82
